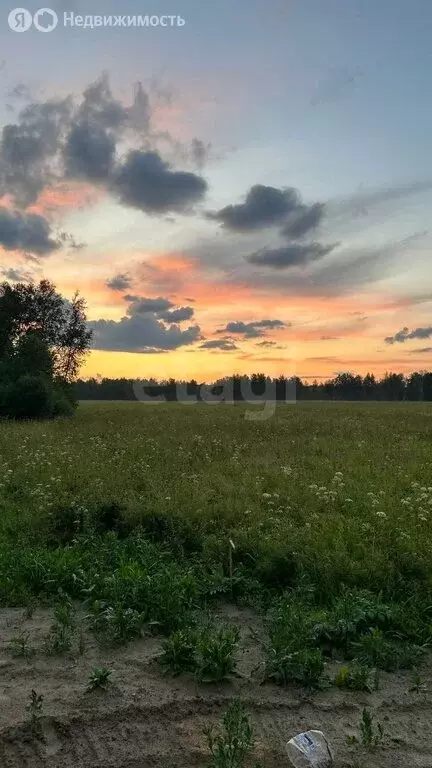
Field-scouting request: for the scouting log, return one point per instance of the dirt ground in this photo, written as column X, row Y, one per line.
column 146, row 720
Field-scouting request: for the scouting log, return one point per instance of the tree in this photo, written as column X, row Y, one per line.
column 415, row 389
column 348, row 386
column 369, row 386
column 427, row 385
column 73, row 340
column 28, row 307
column 393, row 386
column 43, row 341
column 32, row 357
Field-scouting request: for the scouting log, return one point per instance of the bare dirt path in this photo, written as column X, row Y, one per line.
column 146, row 720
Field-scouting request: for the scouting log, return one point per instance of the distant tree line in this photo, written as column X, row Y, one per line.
column 345, row 386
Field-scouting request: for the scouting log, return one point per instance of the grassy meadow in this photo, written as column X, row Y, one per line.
column 319, row 518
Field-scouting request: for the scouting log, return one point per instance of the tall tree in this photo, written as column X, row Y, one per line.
column 73, row 340
column 39, row 310
column 43, row 341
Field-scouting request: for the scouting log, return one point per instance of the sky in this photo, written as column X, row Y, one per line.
column 249, row 191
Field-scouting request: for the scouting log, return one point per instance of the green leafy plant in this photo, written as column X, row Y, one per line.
column 178, row 654
column 64, row 613
column 375, row 649
column 354, row 678
column 99, row 679
column 35, row 708
column 304, row 667
column 232, row 743
column 208, row 652
column 215, row 653
column 418, row 684
column 371, row 735
column 117, row 623
column 351, row 615
column 60, row 636
column 58, row 641
column 20, row 646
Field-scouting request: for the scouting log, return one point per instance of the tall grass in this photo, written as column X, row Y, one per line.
column 133, row 508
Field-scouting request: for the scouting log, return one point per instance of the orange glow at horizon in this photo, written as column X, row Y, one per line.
column 322, row 334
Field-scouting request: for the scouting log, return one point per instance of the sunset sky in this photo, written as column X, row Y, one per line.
column 248, row 192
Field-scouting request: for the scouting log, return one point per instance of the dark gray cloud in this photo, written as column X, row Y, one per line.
column 119, row 283
column 89, row 153
column 177, row 315
column 146, row 182
column 141, row 333
column 28, row 150
column 292, row 255
column 142, row 306
column 97, row 123
column 406, row 335
column 224, row 345
column 100, row 109
column 252, row 330
column 161, row 308
column 140, row 112
column 263, row 207
column 421, row 351
column 269, row 345
column 304, row 220
column 61, row 139
column 26, row 232
column 79, row 139
column 269, row 206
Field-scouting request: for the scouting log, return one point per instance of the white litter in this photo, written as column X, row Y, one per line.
column 310, row 750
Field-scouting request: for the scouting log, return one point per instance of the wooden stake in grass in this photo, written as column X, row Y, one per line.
column 230, row 560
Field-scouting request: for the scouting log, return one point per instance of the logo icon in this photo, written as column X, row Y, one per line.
column 45, row 20
column 20, row 20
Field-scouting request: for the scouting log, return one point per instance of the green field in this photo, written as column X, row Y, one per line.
column 319, row 518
